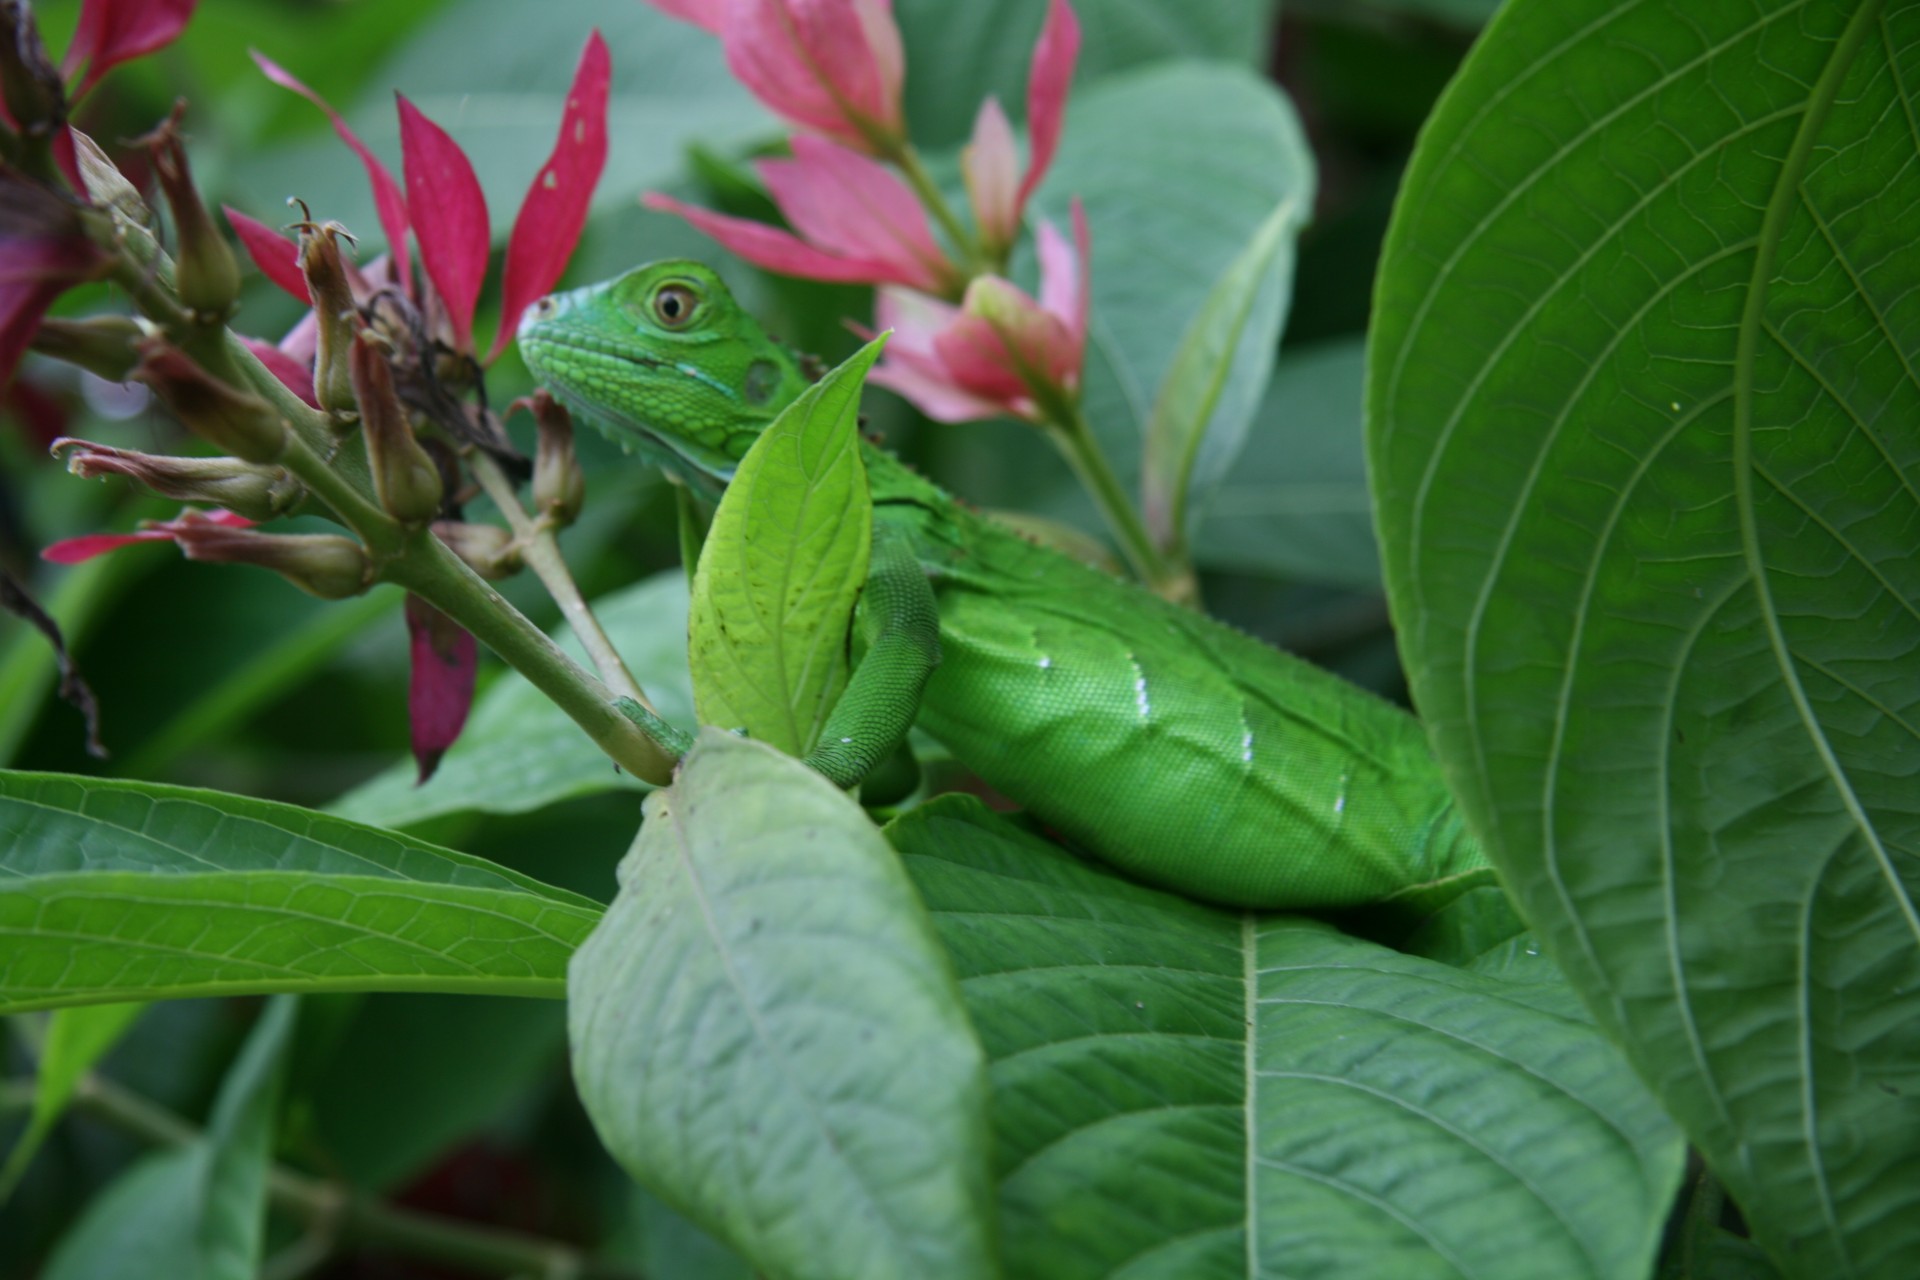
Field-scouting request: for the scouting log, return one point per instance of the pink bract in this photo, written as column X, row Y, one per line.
column 831, row 66
column 857, row 222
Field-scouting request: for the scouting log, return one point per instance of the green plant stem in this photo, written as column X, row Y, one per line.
column 1068, row 429
column 436, row 575
column 540, row 549
column 907, row 160
column 340, row 1214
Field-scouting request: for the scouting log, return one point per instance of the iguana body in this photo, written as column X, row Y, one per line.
column 1170, row 745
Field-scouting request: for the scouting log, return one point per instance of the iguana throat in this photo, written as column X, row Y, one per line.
column 663, row 360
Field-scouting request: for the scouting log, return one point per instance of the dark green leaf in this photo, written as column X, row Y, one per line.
column 198, row 1211
column 74, row 1040
column 1642, row 439
column 767, row 1033
column 1181, row 1091
column 117, row 890
column 783, row 564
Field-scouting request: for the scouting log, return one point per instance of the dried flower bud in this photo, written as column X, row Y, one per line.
column 321, row 564
column 206, row 275
column 258, row 493
column 405, row 479
column 104, row 345
column 489, row 550
column 559, row 485
column 230, row 419
column 334, row 313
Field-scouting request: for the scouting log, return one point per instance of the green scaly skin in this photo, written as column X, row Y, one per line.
column 1168, row 744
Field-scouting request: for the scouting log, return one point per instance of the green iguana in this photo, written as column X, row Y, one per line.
column 1168, row 744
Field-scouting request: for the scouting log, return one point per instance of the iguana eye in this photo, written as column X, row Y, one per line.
column 673, row 305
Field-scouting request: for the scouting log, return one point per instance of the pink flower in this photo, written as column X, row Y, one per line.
column 832, row 66
column 178, row 529
column 857, row 222
column 999, row 351
column 455, row 241
column 998, row 190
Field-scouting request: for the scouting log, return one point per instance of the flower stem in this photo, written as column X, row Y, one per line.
column 540, row 548
column 907, row 160
column 436, row 575
column 336, row 1211
column 1067, row 426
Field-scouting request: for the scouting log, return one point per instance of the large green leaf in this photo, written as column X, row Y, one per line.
column 519, row 752
column 1643, row 443
column 111, row 891
column 766, row 1032
column 783, row 564
column 1180, row 166
column 1187, row 1093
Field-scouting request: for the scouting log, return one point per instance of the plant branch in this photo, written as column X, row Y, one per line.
column 907, row 160
column 540, row 549
column 1067, row 427
column 436, row 575
column 337, row 1213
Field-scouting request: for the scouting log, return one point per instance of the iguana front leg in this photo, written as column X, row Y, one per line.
column 900, row 623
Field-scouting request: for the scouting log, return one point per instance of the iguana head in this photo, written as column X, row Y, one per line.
column 667, row 363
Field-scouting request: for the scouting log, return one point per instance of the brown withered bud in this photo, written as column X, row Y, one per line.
column 321, row 564
column 258, row 493
column 103, row 345
column 489, row 550
column 231, row 420
column 206, row 275
column 334, row 312
column 559, row 484
column 405, row 479
column 29, row 82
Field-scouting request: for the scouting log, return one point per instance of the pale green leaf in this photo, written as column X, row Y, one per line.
column 766, row 1032
column 1195, row 430
column 1186, row 1093
column 1642, row 409
column 783, row 564
column 232, row 1217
